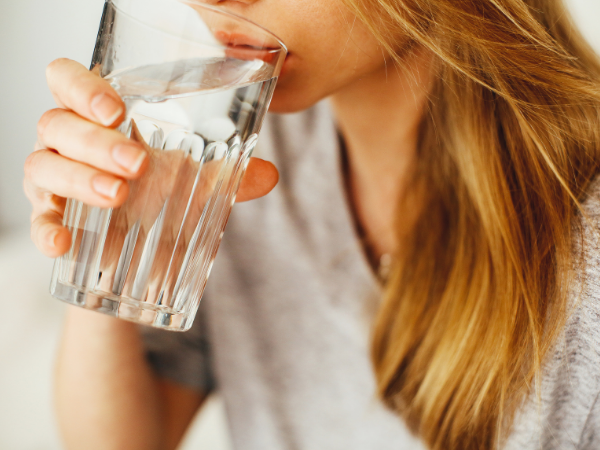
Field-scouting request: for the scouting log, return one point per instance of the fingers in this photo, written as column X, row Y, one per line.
column 89, row 152
column 76, row 88
column 49, row 236
column 260, row 178
column 66, row 178
column 87, row 142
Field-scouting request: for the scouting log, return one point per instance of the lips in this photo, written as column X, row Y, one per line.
column 241, row 46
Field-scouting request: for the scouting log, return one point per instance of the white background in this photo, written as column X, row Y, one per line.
column 33, row 33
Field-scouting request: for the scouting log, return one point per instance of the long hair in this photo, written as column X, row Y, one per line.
column 509, row 145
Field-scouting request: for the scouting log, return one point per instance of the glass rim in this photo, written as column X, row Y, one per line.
column 217, row 10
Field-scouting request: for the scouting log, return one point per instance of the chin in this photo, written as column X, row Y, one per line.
column 287, row 99
column 296, row 89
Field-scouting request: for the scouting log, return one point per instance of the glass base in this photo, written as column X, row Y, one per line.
column 122, row 308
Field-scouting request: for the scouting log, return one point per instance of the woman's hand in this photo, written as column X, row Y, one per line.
column 79, row 154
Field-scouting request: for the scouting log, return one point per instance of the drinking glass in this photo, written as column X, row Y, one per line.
column 196, row 82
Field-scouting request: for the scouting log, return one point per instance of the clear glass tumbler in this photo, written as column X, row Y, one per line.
column 196, row 82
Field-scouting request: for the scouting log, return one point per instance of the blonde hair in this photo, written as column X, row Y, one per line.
column 509, row 145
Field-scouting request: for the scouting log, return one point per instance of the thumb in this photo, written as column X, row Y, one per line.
column 260, row 178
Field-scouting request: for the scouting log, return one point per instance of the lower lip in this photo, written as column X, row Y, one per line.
column 244, row 47
column 241, row 40
column 286, row 65
column 249, row 53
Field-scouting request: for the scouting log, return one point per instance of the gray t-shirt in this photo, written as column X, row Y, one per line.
column 283, row 328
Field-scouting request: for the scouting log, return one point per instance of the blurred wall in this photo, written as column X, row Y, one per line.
column 587, row 14
column 33, row 33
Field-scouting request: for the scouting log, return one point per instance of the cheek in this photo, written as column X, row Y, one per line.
column 328, row 51
column 310, row 76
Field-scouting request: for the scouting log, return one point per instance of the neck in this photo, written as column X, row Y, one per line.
column 379, row 117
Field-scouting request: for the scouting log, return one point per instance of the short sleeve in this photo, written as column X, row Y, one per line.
column 183, row 358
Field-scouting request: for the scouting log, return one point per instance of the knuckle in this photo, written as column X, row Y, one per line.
column 73, row 179
column 93, row 138
column 34, row 230
column 31, row 165
column 27, row 189
column 54, row 65
column 88, row 85
column 45, row 120
column 57, row 204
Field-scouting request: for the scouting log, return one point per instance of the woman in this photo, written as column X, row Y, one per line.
column 456, row 154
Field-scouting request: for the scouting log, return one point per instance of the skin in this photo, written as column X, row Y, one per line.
column 78, row 154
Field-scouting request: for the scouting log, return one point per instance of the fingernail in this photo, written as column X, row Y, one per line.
column 106, row 109
column 106, row 186
column 51, row 238
column 129, row 157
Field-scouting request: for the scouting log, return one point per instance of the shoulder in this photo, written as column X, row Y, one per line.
column 582, row 329
column 590, row 209
column 567, row 414
column 588, row 219
column 581, row 336
column 586, row 253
